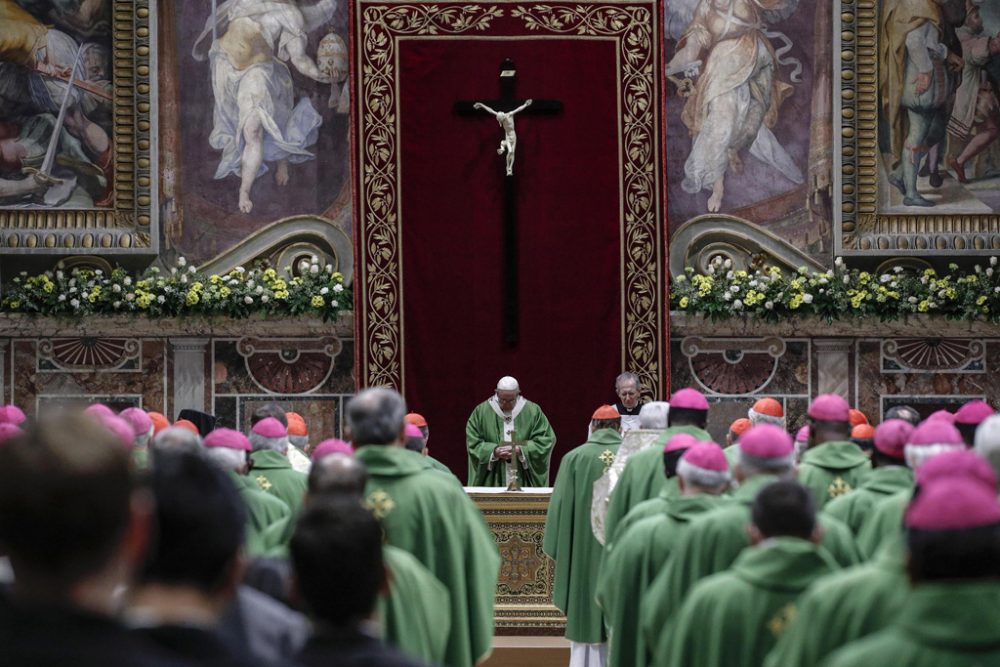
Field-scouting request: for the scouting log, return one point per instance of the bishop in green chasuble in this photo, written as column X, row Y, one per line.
column 832, row 466
column 508, row 434
column 569, row 539
column 732, row 619
column 631, row 562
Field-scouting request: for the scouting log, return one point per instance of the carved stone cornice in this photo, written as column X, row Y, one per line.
column 28, row 326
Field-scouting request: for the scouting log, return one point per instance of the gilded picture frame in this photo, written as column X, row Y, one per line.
column 872, row 217
column 122, row 219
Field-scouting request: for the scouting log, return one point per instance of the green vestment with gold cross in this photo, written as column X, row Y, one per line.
column 833, row 469
column 275, row 475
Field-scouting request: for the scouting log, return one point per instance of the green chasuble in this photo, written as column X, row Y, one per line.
column 732, row 619
column 854, row 508
column 274, row 542
column 429, row 515
column 647, row 508
column 415, row 613
column 628, row 567
column 713, row 543
column 833, row 469
column 732, row 453
column 437, row 465
column 642, row 478
column 841, row 608
column 485, row 431
column 274, row 475
column 885, row 525
column 140, row 458
column 569, row 539
column 263, row 511
column 947, row 624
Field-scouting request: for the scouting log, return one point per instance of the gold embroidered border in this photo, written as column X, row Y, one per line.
column 861, row 228
column 131, row 225
column 380, row 286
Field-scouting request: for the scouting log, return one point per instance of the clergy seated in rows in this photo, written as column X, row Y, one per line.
column 193, row 567
column 337, row 557
column 715, row 539
column 884, row 525
column 508, row 435
column 832, row 465
column 413, row 607
column 74, row 528
column 732, row 619
column 951, row 615
column 642, row 478
column 230, row 451
column 272, row 470
column 429, row 515
column 570, row 542
column 889, row 476
column 629, row 402
column 641, row 550
column 859, row 601
column 672, row 453
column 416, row 441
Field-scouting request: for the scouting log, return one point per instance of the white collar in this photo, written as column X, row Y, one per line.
column 518, row 406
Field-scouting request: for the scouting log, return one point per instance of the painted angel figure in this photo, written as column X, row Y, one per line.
column 735, row 99
column 255, row 118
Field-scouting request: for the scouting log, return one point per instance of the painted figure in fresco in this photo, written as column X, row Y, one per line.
column 975, row 118
column 256, row 119
column 735, row 101
column 916, row 83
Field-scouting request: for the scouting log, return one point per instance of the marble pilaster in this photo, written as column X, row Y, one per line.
column 189, row 375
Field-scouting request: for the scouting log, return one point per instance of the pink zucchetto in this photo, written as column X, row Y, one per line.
column 942, row 415
column 973, row 412
column 707, row 456
column 11, row 414
column 830, row 408
column 688, row 399
column 138, row 419
column 269, row 427
column 802, row 435
column 227, row 438
column 891, row 437
column 99, row 410
column 680, row 441
column 767, row 441
column 8, row 431
column 935, row 432
column 332, row 446
column 953, row 504
column 960, row 464
column 121, row 428
column 413, row 431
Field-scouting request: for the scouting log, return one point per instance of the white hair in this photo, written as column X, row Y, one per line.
column 759, row 465
column 226, row 458
column 507, row 383
column 259, row 442
column 177, row 439
column 300, row 441
column 760, row 418
column 654, row 415
column 917, row 455
column 701, row 477
column 987, row 442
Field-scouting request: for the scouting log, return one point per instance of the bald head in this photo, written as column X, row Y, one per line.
column 337, row 475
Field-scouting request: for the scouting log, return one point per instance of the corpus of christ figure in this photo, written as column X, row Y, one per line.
column 506, row 120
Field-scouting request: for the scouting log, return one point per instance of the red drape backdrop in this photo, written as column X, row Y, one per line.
column 569, row 226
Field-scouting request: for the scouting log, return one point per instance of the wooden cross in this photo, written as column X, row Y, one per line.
column 508, row 102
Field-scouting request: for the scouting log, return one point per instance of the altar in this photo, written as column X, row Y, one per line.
column 524, row 589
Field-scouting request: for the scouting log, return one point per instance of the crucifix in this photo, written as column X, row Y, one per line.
column 503, row 110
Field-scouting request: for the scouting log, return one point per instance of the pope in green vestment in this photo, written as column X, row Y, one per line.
column 713, row 543
column 833, row 469
column 428, row 514
column 950, row 624
column 263, row 511
column 841, row 608
column 569, row 539
column 274, row 475
column 631, row 563
column 643, row 477
column 732, row 619
column 491, row 424
column 856, row 507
